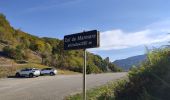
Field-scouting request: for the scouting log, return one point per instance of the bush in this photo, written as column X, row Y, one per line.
column 150, row 81
column 91, row 68
column 8, row 51
column 14, row 53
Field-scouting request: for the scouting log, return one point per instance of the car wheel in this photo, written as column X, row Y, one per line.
column 31, row 75
column 51, row 73
column 17, row 75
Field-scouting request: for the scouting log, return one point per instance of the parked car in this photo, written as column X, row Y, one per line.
column 28, row 72
column 48, row 71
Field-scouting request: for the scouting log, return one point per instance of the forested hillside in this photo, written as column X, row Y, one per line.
column 23, row 47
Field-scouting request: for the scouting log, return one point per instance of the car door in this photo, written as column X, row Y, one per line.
column 44, row 71
column 48, row 71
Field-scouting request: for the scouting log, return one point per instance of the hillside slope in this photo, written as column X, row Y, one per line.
column 21, row 46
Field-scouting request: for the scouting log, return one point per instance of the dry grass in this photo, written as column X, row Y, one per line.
column 33, row 57
column 7, row 71
column 66, row 72
column 1, row 46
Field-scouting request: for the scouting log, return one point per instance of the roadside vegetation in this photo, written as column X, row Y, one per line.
column 104, row 92
column 149, row 81
column 23, row 47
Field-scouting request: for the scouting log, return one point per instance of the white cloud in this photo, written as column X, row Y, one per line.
column 118, row 39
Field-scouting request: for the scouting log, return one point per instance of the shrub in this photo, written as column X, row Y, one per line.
column 150, row 81
column 15, row 53
column 91, row 68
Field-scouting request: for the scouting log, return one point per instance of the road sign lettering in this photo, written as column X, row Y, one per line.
column 89, row 39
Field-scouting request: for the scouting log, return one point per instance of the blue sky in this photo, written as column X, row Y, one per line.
column 126, row 26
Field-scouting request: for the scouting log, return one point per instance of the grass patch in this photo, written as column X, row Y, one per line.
column 7, row 71
column 66, row 72
column 31, row 65
column 105, row 92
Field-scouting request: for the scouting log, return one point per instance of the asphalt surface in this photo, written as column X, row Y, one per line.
column 50, row 87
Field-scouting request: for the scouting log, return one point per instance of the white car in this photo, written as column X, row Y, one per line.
column 48, row 71
column 28, row 72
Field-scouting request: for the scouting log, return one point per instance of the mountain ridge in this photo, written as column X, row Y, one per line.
column 127, row 63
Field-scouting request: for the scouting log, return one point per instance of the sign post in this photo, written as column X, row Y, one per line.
column 84, row 76
column 84, row 40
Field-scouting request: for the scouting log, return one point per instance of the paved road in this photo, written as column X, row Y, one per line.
column 50, row 87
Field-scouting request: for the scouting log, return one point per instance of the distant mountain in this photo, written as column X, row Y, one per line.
column 129, row 62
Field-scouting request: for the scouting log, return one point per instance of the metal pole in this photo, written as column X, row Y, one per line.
column 84, row 76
